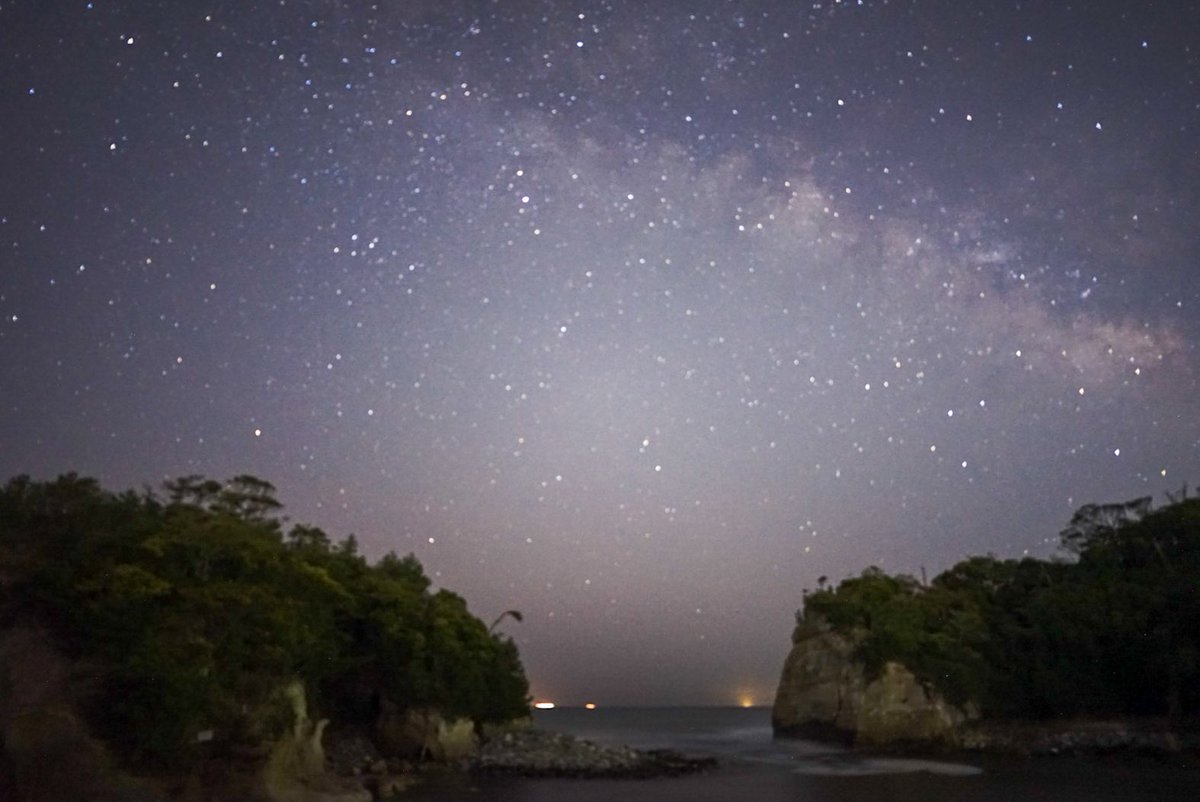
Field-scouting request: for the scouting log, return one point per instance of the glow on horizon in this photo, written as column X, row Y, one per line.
column 544, row 705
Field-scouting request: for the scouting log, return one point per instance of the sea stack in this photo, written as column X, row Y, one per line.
column 825, row 692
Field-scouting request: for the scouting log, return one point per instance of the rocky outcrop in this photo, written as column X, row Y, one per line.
column 897, row 708
column 825, row 693
column 536, row 753
column 1072, row 737
column 422, row 734
column 818, row 688
column 295, row 770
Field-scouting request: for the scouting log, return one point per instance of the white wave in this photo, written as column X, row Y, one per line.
column 852, row 767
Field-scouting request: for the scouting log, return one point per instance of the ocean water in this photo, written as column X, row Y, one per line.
column 755, row 766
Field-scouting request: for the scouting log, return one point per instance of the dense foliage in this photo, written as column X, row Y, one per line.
column 1114, row 632
column 193, row 609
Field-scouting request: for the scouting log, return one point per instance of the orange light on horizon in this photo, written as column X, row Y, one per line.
column 544, row 705
column 590, row 706
column 746, row 700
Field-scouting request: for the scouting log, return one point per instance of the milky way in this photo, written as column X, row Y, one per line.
column 636, row 317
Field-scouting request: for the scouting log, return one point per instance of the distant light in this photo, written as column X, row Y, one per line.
column 544, row 705
column 746, row 701
column 590, row 706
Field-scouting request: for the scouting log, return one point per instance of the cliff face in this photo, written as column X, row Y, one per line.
column 819, row 687
column 424, row 734
column 825, row 693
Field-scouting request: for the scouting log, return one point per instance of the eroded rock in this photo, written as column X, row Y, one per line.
column 295, row 771
column 825, row 693
column 421, row 734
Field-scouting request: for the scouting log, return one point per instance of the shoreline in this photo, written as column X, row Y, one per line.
column 536, row 752
column 1150, row 736
column 1081, row 736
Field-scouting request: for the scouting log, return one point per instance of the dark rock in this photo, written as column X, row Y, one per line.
column 423, row 734
column 825, row 693
column 349, row 751
column 1066, row 737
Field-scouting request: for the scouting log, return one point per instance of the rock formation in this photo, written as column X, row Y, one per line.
column 422, row 734
column 825, row 693
column 295, row 770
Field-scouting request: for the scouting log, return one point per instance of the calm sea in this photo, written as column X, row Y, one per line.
column 754, row 766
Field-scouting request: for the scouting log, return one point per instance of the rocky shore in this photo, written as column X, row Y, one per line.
column 825, row 693
column 1150, row 736
column 537, row 753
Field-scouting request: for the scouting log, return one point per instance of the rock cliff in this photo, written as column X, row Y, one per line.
column 825, row 693
column 296, row 769
column 424, row 734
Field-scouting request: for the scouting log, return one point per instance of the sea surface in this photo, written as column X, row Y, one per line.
column 755, row 766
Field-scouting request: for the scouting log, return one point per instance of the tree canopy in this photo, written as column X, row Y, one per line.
column 195, row 606
column 1116, row 631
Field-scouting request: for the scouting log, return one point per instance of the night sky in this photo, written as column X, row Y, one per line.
column 638, row 317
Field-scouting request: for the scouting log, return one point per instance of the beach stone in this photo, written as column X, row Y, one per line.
column 349, row 751
column 536, row 753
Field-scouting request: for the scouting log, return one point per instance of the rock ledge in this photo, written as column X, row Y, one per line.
column 1074, row 737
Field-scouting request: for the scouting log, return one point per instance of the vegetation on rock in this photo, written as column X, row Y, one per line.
column 194, row 608
column 1115, row 631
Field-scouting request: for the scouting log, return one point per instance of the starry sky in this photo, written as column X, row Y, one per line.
column 636, row 317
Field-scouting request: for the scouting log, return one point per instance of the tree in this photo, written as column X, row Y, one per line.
column 1114, row 632
column 1093, row 523
column 198, row 610
column 513, row 614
